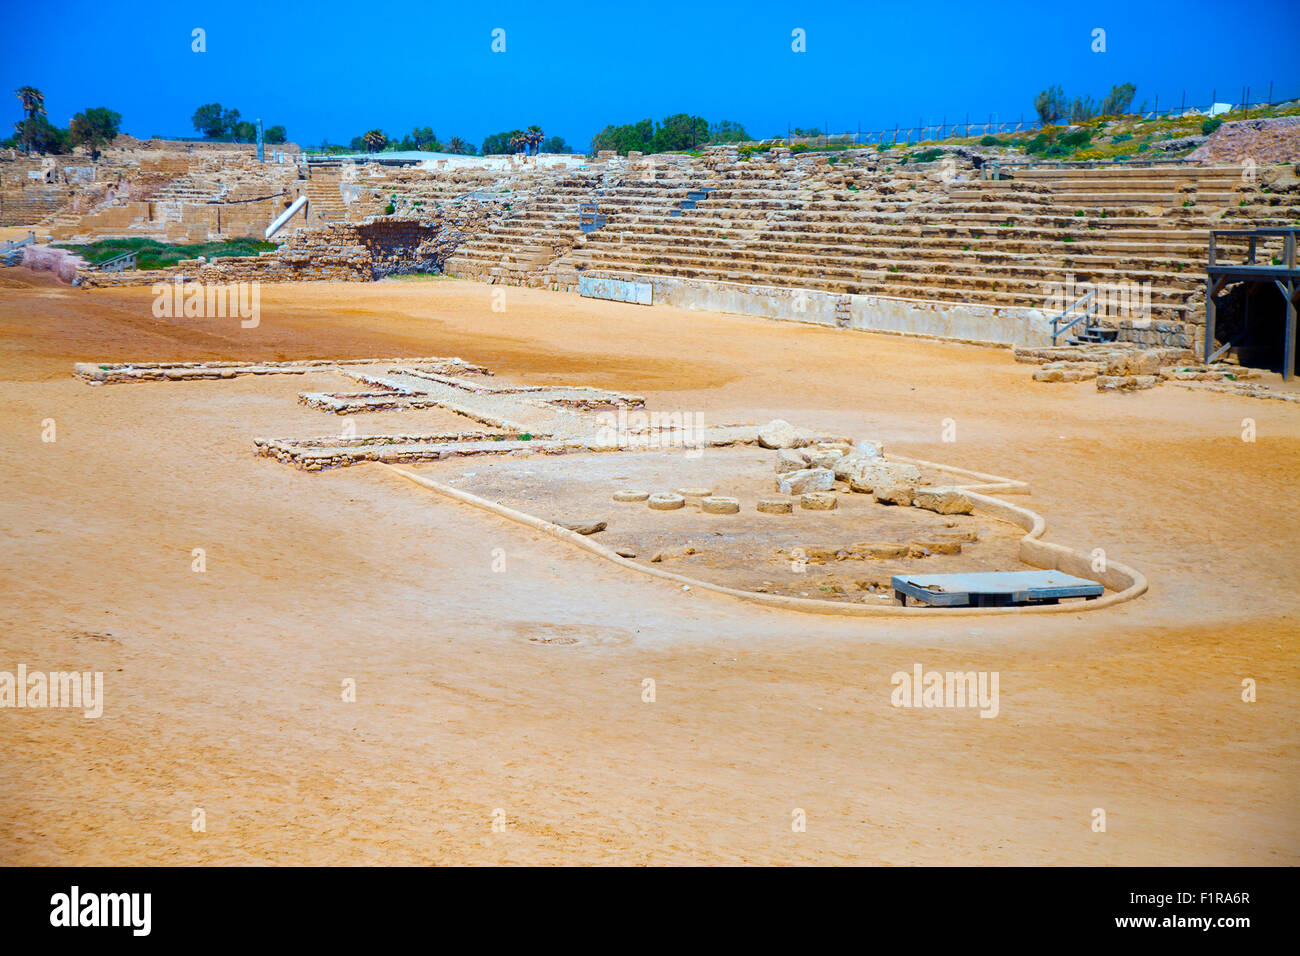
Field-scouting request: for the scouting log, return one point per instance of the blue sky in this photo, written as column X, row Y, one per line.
column 334, row 69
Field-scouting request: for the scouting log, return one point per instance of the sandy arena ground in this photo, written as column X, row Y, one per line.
column 521, row 690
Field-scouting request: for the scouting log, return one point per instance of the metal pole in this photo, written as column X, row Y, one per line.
column 1288, row 361
column 1211, row 311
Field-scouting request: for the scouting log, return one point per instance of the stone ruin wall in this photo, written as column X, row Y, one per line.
column 349, row 252
column 165, row 190
column 1261, row 141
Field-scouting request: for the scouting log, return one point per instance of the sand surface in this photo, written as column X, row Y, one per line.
column 520, row 688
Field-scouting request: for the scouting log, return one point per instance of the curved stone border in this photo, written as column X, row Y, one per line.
column 1123, row 583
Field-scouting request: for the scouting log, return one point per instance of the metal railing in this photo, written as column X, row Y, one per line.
column 589, row 220
column 1086, row 302
column 15, row 244
column 966, row 128
column 118, row 263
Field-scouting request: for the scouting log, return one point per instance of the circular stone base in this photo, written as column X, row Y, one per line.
column 720, row 506
column 665, row 501
column 775, row 506
column 695, row 492
column 817, row 501
column 631, row 495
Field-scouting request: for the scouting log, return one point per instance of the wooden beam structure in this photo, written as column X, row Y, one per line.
column 1284, row 275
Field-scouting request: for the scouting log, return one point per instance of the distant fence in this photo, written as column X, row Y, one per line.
column 991, row 126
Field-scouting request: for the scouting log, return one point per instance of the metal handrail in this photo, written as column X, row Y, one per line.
column 12, row 244
column 118, row 263
column 1089, row 307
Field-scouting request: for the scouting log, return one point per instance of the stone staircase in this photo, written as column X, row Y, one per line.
column 324, row 200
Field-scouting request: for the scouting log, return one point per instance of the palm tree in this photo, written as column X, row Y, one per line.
column 519, row 142
column 456, row 145
column 375, row 140
column 33, row 100
column 534, row 138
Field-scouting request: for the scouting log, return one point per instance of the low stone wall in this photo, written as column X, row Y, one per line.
column 985, row 325
column 1173, row 335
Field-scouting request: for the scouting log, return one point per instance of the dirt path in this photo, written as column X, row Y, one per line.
column 521, row 689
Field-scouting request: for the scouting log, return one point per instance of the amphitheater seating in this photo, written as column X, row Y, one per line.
column 886, row 230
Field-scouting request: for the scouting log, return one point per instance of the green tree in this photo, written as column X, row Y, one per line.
column 94, row 128
column 37, row 134
column 210, row 120
column 421, row 138
column 276, row 135
column 243, row 131
column 533, row 139
column 726, row 131
column 1082, row 109
column 1119, row 100
column 33, row 131
column 374, row 141
column 680, row 131
column 33, row 101
column 622, row 139
column 498, row 143
column 1051, row 105
column 554, row 144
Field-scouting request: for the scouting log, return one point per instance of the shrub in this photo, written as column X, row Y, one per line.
column 1210, row 125
column 991, row 141
column 1075, row 138
column 1037, row 145
column 929, row 156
